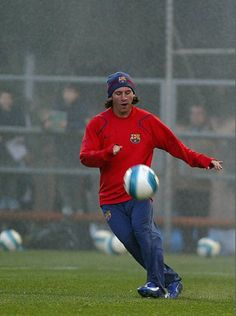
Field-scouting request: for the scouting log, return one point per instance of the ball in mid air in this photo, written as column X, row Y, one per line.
column 141, row 182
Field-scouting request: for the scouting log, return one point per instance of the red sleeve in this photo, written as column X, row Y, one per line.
column 165, row 139
column 91, row 153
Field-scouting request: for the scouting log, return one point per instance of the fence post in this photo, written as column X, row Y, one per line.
column 169, row 119
column 29, row 72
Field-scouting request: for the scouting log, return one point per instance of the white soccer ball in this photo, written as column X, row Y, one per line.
column 141, row 182
column 207, row 247
column 10, row 240
column 100, row 238
column 114, row 246
column 108, row 243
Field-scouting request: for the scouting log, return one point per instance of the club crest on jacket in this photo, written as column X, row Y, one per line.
column 135, row 138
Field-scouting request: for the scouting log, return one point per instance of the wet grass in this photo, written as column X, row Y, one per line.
column 90, row 283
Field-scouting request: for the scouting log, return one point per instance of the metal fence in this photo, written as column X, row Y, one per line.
column 176, row 39
column 40, row 137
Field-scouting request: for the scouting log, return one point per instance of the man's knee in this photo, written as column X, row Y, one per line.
column 128, row 240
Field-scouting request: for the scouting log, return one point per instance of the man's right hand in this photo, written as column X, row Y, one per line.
column 116, row 149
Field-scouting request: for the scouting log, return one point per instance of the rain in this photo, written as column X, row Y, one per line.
column 181, row 56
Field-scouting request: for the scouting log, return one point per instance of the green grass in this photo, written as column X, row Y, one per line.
column 90, row 283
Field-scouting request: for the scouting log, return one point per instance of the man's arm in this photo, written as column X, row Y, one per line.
column 165, row 139
column 91, row 153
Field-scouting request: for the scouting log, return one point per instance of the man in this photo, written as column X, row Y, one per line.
column 76, row 112
column 11, row 114
column 198, row 119
column 72, row 117
column 15, row 191
column 109, row 144
column 73, row 123
column 70, row 114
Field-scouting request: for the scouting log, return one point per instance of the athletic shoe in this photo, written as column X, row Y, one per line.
column 151, row 290
column 174, row 289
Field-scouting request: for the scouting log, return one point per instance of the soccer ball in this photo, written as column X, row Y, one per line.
column 207, row 247
column 114, row 246
column 141, row 182
column 108, row 243
column 10, row 240
column 100, row 238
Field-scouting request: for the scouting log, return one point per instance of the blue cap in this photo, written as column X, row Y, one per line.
column 118, row 80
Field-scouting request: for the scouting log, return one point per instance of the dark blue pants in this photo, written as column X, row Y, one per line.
column 132, row 222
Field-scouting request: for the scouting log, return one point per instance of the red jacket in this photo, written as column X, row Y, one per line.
column 138, row 135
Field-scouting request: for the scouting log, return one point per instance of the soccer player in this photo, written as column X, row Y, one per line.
column 118, row 138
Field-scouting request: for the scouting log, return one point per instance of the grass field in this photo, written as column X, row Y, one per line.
column 90, row 283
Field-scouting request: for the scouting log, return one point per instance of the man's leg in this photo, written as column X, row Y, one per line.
column 120, row 224
column 145, row 208
column 118, row 217
column 149, row 239
column 170, row 275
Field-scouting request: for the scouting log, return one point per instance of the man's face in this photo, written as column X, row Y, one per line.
column 122, row 99
column 197, row 116
column 70, row 95
column 6, row 101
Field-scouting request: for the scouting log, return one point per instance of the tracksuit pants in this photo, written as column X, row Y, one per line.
column 133, row 224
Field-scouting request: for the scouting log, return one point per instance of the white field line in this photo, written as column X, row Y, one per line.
column 210, row 273
column 40, row 268
column 69, row 268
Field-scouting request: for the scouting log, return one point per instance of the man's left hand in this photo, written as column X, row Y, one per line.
column 217, row 164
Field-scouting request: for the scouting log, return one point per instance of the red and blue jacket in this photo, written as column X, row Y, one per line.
column 138, row 134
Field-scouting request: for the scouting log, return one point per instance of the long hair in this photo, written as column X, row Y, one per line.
column 108, row 104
